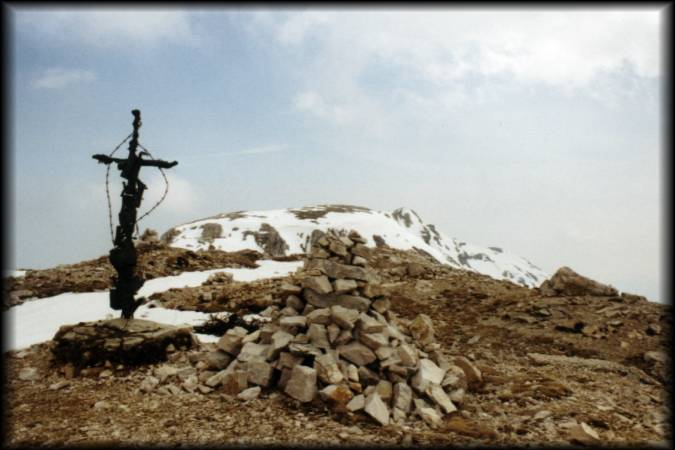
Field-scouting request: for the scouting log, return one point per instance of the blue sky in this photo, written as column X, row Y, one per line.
column 535, row 130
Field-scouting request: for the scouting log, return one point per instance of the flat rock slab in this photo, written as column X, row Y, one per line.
column 121, row 341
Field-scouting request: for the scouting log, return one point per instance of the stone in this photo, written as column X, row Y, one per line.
column 427, row 413
column 352, row 372
column 165, row 371
column 29, row 374
column 359, row 261
column 337, row 248
column 288, row 312
column 59, row 385
column 317, row 300
column 337, row 270
column 327, row 369
column 234, row 382
column 344, row 337
column 584, row 434
column 217, row 378
column 427, row 373
column 288, row 360
column 293, row 321
column 280, row 340
column 230, row 342
column 304, row 349
column 185, row 372
column 374, row 340
column 148, row 384
column 357, row 353
column 190, row 384
column 422, row 329
column 414, row 269
column 381, row 305
column 302, row 384
column 259, row 372
column 356, row 302
column 656, row 356
column 473, row 374
column 344, row 317
column 251, row 351
column 251, row 337
column 320, row 284
column 293, row 301
column 367, row 324
column 320, row 316
column 336, row 395
column 566, row 282
column 318, row 335
column 403, row 396
column 384, row 390
column 333, row 332
column 454, row 378
column 342, row 286
column 408, row 355
column 384, row 352
column 438, row 395
column 288, row 288
column 357, row 403
column 457, row 396
column 266, row 333
column 217, row 360
column 249, row 394
column 376, row 408
column 367, row 376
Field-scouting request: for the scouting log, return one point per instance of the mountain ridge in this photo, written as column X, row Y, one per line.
column 281, row 232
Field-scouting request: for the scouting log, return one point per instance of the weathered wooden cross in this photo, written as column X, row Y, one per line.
column 123, row 256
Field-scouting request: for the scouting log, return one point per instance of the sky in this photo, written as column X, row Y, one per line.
column 535, row 130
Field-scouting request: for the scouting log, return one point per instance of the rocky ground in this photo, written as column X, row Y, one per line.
column 558, row 366
column 156, row 258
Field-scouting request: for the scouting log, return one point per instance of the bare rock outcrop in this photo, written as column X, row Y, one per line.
column 566, row 282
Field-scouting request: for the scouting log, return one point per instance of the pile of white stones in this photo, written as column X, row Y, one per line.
column 337, row 341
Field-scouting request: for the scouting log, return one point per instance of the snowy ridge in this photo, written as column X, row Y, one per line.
column 402, row 229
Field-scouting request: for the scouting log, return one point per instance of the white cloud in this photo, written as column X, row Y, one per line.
column 109, row 27
column 55, row 78
column 444, row 51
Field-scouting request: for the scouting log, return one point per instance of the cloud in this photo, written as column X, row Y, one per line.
column 443, row 58
column 109, row 27
column 56, row 78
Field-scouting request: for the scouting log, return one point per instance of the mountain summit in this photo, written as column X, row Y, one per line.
column 283, row 232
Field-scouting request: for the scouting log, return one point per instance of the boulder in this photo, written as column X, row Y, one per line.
column 302, row 384
column 427, row 373
column 327, row 369
column 249, row 394
column 438, row 395
column 376, row 408
column 344, row 317
column 342, row 286
column 259, row 372
column 403, row 396
column 357, row 353
column 357, row 403
column 566, row 282
column 422, row 330
column 318, row 335
column 320, row 284
column 336, row 395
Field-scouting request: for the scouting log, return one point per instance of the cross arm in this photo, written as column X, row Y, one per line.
column 105, row 159
column 158, row 163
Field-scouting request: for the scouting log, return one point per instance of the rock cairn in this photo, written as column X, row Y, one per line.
column 337, row 341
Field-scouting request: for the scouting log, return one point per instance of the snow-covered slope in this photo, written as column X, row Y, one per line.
column 288, row 231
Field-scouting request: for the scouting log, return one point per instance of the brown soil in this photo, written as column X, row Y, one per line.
column 623, row 397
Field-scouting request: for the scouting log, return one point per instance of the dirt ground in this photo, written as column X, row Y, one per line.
column 604, row 364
